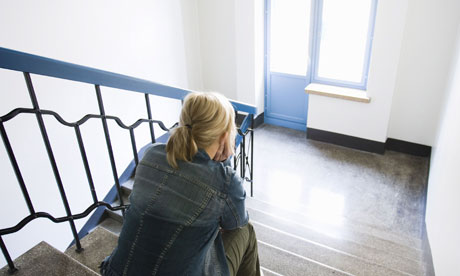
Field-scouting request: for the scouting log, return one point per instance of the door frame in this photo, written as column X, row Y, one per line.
column 280, row 120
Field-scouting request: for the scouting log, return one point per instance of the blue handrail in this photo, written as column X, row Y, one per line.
column 24, row 62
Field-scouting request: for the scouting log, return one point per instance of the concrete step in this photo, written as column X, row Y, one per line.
column 331, row 250
column 277, row 261
column 111, row 225
column 366, row 234
column 115, row 215
column 126, row 189
column 128, row 185
column 309, row 249
column 43, row 259
column 97, row 245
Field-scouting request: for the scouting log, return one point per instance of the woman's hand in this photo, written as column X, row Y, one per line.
column 224, row 151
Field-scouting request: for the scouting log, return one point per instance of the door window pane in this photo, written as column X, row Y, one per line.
column 289, row 36
column 344, row 28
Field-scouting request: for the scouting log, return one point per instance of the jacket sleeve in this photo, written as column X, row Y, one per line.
column 235, row 214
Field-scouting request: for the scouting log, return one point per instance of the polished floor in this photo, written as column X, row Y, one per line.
column 336, row 184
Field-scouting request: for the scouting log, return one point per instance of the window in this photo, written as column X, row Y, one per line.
column 342, row 41
column 289, row 36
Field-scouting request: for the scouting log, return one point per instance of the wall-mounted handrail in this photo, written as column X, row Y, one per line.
column 24, row 62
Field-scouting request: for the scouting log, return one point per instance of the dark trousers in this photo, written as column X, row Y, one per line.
column 241, row 251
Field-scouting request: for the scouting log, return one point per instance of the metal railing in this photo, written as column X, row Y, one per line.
column 31, row 64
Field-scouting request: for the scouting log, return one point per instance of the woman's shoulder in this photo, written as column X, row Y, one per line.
column 156, row 149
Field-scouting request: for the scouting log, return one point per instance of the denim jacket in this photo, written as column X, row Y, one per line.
column 172, row 226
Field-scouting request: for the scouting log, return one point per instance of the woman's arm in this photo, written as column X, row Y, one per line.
column 235, row 214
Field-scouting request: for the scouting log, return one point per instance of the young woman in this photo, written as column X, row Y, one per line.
column 187, row 213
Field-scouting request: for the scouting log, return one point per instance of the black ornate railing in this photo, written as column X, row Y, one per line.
column 31, row 64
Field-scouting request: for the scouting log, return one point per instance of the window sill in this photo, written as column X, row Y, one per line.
column 338, row 92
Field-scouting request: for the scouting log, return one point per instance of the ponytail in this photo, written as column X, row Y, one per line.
column 181, row 145
column 204, row 118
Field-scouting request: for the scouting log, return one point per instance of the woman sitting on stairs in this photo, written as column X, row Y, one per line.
column 187, row 213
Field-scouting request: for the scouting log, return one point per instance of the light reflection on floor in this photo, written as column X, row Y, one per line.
column 326, row 206
column 285, row 188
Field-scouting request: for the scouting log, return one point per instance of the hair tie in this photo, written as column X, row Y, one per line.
column 188, row 126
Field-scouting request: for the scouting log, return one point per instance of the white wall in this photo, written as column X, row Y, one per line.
column 443, row 206
column 217, row 42
column 192, row 44
column 259, row 17
column 231, row 43
column 369, row 121
column 429, row 39
column 249, row 27
column 145, row 39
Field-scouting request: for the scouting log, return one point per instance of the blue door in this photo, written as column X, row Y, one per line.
column 287, row 28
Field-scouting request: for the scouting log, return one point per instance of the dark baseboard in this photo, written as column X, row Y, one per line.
column 345, row 140
column 408, row 147
column 368, row 145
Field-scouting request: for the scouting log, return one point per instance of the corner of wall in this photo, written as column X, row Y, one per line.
column 421, row 77
column 443, row 188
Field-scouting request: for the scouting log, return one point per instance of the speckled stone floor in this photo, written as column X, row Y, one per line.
column 335, row 183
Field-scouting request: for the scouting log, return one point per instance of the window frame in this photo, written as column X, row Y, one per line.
column 316, row 40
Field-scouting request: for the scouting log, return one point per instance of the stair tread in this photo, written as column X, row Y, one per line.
column 266, row 223
column 285, row 263
column 364, row 233
column 341, row 260
column 97, row 245
column 43, row 259
column 128, row 185
column 111, row 225
column 126, row 189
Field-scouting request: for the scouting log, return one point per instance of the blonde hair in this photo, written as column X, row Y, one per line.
column 203, row 119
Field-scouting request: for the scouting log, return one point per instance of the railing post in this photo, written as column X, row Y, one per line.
column 149, row 114
column 252, row 155
column 49, row 150
column 85, row 163
column 109, row 145
column 11, row 268
column 243, row 158
column 133, row 144
column 15, row 165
